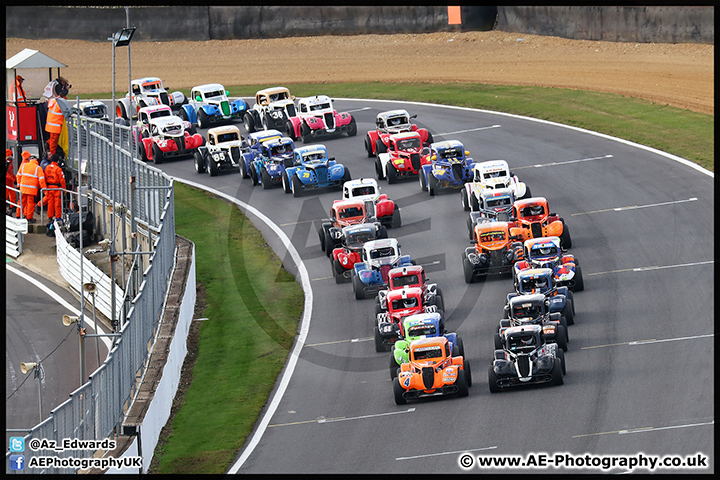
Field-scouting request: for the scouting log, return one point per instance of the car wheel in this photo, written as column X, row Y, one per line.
column 557, row 374
column 498, row 341
column 368, row 147
column 432, row 185
column 296, row 186
column 306, row 133
column 290, row 130
column 423, row 180
column 265, row 178
column 358, row 288
column 493, row 380
column 338, row 271
column 460, row 346
column 462, row 385
column 346, row 176
column 394, row 367
column 561, row 337
column 122, row 111
column 249, row 122
column 329, row 244
column 561, row 356
column 213, row 168
column 379, row 170
column 464, row 200
column 199, row 162
column 379, row 347
column 565, row 240
column 398, row 391
column 468, row 270
column 567, row 312
column 321, row 236
column 352, row 128
column 142, row 152
column 253, row 174
column 391, row 174
column 579, row 284
column 468, row 372
column 380, row 147
column 396, row 220
column 157, row 154
column 286, row 183
column 202, row 119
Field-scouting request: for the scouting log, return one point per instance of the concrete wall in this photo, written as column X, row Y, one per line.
column 235, row 22
column 617, row 24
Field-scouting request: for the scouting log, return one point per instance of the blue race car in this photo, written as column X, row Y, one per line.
column 313, row 170
column 380, row 256
column 255, row 152
column 450, row 167
column 276, row 156
column 210, row 104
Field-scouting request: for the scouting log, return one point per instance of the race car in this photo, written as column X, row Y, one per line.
column 272, row 110
column 450, row 167
column 344, row 257
column 316, row 117
column 496, row 249
column 379, row 257
column 491, row 175
column 546, row 252
column 525, row 359
column 495, row 204
column 400, row 303
column 210, row 104
column 161, row 136
column 432, row 370
column 145, row 92
column 256, row 153
column 404, row 157
column 276, row 156
column 313, row 170
column 389, row 123
column 378, row 204
column 343, row 213
column 533, row 309
column 222, row 150
column 410, row 276
column 534, row 217
column 421, row 325
column 541, row 280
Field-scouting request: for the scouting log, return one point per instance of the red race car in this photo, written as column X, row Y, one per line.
column 388, row 123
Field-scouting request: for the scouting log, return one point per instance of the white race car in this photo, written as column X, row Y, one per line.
column 491, row 174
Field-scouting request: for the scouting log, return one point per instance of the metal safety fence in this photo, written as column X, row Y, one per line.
column 105, row 156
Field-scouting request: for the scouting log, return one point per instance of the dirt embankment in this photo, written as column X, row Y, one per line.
column 680, row 75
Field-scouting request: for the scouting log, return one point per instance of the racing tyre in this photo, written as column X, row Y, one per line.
column 561, row 337
column 249, row 122
column 391, row 174
column 290, row 130
column 296, row 185
column 460, row 346
column 474, row 204
column 213, row 168
column 202, row 119
column 380, row 147
column 265, row 178
column 253, row 174
column 567, row 312
column 358, row 288
column 462, row 385
column 565, row 240
column 368, row 147
column 432, row 185
column 579, row 284
column 157, row 154
column 492, row 380
column 199, row 162
column 396, row 220
column 467, row 270
column 423, row 181
column 561, row 356
column 321, row 236
column 142, row 152
column 286, row 183
column 398, row 392
column 305, row 133
column 121, row 111
column 379, row 347
column 528, row 194
column 498, row 341
column 352, row 128
column 329, row 244
column 557, row 374
column 382, row 232
column 468, row 372
column 464, row 200
column 379, row 170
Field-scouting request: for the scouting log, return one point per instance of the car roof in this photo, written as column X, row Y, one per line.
column 404, row 135
column 407, row 270
column 165, row 120
column 362, row 227
column 381, row 243
column 535, row 272
column 360, row 182
column 208, row 87
column 428, row 342
column 490, row 226
column 532, row 328
column 447, row 144
column 534, row 241
column 315, row 99
column 259, row 135
column 155, row 108
column 223, row 129
column 491, row 165
column 529, row 298
column 271, row 90
column 424, row 318
column 345, row 202
column 398, row 293
column 530, row 201
column 306, row 149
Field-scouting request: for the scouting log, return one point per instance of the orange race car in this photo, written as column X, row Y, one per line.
column 533, row 216
column 431, row 371
column 496, row 249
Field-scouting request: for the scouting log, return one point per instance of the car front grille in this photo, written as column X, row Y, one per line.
column 322, row 174
column 291, row 110
column 415, row 161
column 536, row 229
column 457, row 171
column 428, row 376
column 523, row 363
column 164, row 98
column 329, row 120
column 225, row 107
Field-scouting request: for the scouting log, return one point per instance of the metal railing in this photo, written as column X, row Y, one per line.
column 97, row 409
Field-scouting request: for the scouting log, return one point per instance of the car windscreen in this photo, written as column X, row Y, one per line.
column 451, row 153
column 404, row 280
column 408, row 143
column 426, row 353
column 420, row 330
column 319, row 106
column 228, row 137
column 350, row 212
column 359, row 238
column 365, row 190
column 495, row 236
column 489, row 175
column 532, row 211
column 215, row 93
column 526, row 311
column 382, row 252
column 160, row 113
column 402, row 303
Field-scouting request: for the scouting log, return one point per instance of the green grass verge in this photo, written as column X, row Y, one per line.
column 253, row 308
column 684, row 133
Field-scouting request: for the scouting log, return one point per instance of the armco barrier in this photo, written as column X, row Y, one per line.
column 671, row 24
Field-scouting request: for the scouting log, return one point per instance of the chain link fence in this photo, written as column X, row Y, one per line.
column 105, row 155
